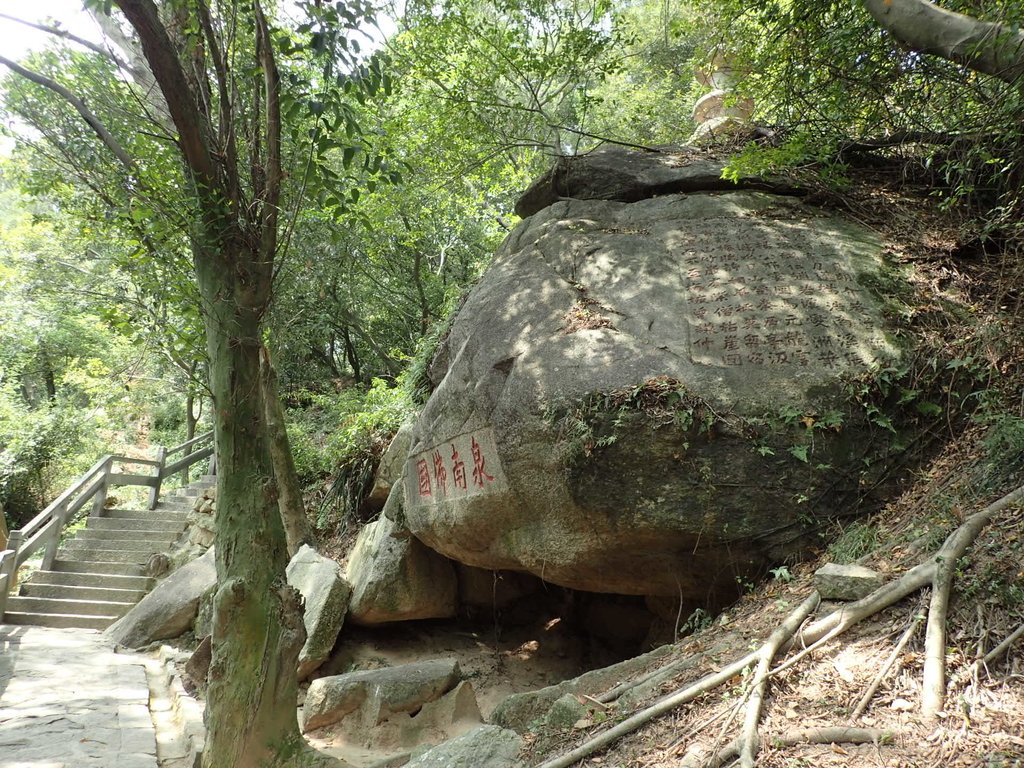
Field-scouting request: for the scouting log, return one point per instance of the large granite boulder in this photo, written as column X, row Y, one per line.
column 394, row 577
column 170, row 609
column 648, row 397
column 325, row 596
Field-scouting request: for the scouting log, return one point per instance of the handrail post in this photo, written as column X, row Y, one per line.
column 154, row 491
column 9, row 567
column 54, row 539
column 212, row 467
column 7, row 577
column 100, row 500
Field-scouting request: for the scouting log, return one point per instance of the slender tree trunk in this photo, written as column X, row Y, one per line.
column 352, row 356
column 190, row 423
column 257, row 625
column 3, row 528
column 289, row 489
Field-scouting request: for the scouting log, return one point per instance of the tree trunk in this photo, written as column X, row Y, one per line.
column 257, row 624
column 190, row 424
column 3, row 528
column 289, row 489
column 984, row 46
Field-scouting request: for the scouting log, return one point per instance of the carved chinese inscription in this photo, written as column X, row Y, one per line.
column 764, row 298
column 465, row 465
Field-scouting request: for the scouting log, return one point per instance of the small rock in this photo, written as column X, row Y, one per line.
column 391, row 467
column 158, row 565
column 405, row 688
column 198, row 665
column 566, row 712
column 846, row 582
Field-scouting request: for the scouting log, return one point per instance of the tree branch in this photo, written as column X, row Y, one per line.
column 163, row 62
column 94, row 122
column 984, row 46
column 63, row 33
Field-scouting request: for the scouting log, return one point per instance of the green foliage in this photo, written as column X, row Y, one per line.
column 337, row 441
column 853, row 542
column 834, row 87
column 38, row 447
column 593, row 423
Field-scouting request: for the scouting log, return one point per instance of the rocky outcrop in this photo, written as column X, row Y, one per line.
column 647, row 397
column 612, row 173
column 394, row 577
column 519, row 710
column 170, row 609
column 325, row 594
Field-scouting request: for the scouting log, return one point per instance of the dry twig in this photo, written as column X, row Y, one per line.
column 873, row 688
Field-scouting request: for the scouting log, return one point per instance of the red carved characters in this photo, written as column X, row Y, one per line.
column 423, row 477
column 479, row 474
column 458, row 469
column 442, row 473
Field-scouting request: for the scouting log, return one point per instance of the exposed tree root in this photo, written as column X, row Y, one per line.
column 689, row 693
column 937, row 570
column 869, row 694
column 750, row 740
column 832, row 735
column 827, row 735
column 988, row 658
column 933, row 690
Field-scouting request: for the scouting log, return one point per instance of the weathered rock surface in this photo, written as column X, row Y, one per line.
column 394, row 577
column 391, row 467
column 615, row 173
column 379, row 692
column 485, row 747
column 326, row 594
column 169, row 610
column 565, row 712
column 701, row 321
column 846, row 582
column 520, row 709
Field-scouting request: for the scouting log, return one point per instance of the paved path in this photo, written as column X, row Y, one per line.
column 68, row 701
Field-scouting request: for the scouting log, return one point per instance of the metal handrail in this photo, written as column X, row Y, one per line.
column 44, row 530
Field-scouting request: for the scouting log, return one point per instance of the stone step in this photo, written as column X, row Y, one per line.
column 160, row 538
column 103, row 580
column 61, row 620
column 121, row 545
column 101, row 555
column 98, row 567
column 130, row 524
column 61, row 606
column 67, row 592
column 174, row 514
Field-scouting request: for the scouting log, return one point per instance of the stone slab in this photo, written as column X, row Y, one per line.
column 90, row 710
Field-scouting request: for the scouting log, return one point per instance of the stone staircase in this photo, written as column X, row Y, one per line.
column 102, row 570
